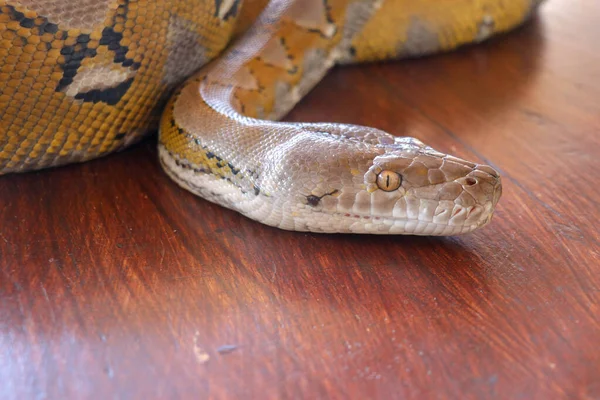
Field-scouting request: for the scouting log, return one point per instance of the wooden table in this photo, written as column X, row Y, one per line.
column 117, row 284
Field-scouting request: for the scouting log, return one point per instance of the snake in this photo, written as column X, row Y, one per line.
column 79, row 80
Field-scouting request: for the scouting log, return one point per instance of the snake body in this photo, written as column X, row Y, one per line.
column 79, row 80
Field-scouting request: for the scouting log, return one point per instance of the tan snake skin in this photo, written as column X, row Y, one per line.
column 82, row 79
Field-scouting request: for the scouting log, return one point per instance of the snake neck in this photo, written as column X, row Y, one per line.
column 218, row 119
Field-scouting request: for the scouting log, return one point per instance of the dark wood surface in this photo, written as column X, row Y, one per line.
column 116, row 283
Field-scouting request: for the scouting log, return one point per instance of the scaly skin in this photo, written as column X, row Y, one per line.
column 217, row 140
column 79, row 82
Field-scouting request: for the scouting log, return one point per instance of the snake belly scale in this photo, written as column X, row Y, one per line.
column 79, row 80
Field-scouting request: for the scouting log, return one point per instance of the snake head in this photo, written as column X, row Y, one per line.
column 397, row 186
column 430, row 193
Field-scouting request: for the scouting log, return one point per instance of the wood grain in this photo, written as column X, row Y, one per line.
column 115, row 283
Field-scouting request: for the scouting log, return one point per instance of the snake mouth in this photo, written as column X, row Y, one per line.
column 370, row 224
column 463, row 220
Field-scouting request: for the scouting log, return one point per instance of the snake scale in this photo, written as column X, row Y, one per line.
column 82, row 79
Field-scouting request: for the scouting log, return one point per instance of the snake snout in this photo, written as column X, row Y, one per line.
column 481, row 190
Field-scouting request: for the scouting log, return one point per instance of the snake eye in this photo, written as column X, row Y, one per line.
column 388, row 181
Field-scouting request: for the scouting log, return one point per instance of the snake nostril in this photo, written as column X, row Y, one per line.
column 470, row 181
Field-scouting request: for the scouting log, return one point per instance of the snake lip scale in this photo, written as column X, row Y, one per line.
column 80, row 82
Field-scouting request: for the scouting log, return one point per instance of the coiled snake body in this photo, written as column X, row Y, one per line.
column 82, row 79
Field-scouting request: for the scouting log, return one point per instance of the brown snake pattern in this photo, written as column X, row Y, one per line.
column 83, row 79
